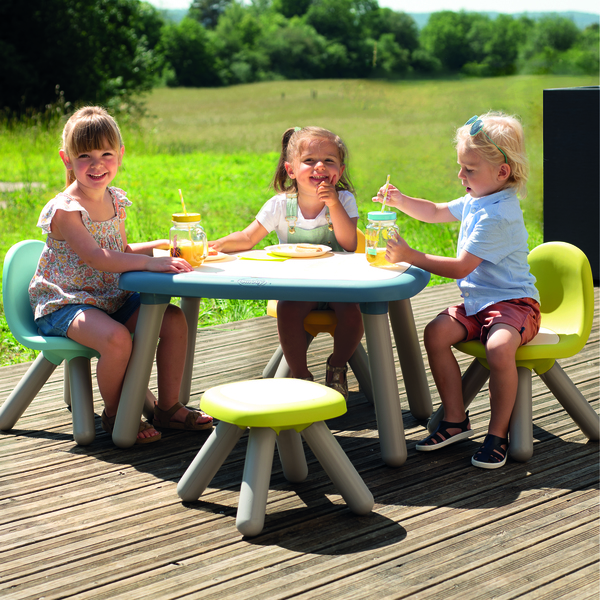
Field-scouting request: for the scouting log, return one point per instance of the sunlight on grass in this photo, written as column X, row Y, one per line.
column 220, row 146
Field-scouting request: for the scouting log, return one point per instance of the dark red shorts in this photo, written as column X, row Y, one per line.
column 523, row 314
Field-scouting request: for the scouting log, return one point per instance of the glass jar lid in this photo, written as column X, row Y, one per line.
column 378, row 215
column 186, row 217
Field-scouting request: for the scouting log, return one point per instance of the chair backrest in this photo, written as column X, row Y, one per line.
column 361, row 245
column 20, row 264
column 564, row 280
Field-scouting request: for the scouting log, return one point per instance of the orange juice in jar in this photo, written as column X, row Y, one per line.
column 381, row 227
column 187, row 238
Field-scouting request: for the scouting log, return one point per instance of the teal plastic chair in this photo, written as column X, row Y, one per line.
column 564, row 281
column 19, row 267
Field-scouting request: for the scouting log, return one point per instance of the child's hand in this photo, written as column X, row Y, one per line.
column 215, row 245
column 394, row 196
column 327, row 193
column 168, row 264
column 397, row 250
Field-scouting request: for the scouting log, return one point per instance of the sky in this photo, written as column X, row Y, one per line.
column 427, row 6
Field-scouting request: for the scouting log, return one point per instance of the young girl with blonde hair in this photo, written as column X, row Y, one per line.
column 74, row 292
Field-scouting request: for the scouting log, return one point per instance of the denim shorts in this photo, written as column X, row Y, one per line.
column 58, row 322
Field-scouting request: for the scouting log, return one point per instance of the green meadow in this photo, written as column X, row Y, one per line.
column 220, row 147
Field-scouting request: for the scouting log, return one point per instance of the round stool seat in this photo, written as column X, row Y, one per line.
column 275, row 403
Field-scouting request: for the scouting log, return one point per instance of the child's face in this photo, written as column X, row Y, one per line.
column 318, row 162
column 95, row 168
column 479, row 177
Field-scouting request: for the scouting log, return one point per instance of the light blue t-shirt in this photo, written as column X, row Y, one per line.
column 492, row 228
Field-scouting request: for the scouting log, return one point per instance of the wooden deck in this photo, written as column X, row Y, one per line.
column 99, row 522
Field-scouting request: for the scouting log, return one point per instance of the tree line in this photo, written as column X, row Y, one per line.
column 111, row 51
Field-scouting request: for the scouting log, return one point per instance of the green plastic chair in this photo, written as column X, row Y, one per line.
column 19, row 267
column 275, row 410
column 564, row 281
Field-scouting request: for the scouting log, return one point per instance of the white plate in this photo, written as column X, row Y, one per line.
column 298, row 250
column 218, row 256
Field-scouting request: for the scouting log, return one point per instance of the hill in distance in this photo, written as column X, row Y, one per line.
column 581, row 19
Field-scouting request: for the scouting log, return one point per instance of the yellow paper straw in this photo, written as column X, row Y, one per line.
column 182, row 203
column 385, row 193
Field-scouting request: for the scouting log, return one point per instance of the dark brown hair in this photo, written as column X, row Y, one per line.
column 293, row 141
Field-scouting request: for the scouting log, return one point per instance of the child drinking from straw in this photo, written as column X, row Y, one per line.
column 74, row 292
column 314, row 204
column 500, row 305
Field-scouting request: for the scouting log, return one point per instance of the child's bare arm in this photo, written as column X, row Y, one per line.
column 417, row 208
column 238, row 241
column 147, row 247
column 69, row 227
column 454, row 268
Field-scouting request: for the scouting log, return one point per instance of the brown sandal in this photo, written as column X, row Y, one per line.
column 163, row 419
column 108, row 424
column 336, row 379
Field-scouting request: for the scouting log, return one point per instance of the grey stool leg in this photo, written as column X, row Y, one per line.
column 25, row 391
column 339, row 468
column 82, row 400
column 573, row 401
column 208, row 461
column 255, row 483
column 521, row 421
column 291, row 454
column 473, row 380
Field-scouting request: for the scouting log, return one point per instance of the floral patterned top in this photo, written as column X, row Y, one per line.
column 62, row 277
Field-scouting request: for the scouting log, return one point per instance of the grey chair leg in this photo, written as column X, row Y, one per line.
column 82, row 400
column 252, row 504
column 565, row 391
column 66, row 384
column 339, row 468
column 521, row 421
column 291, row 454
column 25, row 391
column 473, row 380
column 359, row 363
column 208, row 461
column 408, row 348
column 271, row 368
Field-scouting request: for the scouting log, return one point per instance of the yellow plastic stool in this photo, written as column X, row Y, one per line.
column 273, row 409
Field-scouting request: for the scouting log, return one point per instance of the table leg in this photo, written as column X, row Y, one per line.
column 411, row 359
column 385, row 389
column 137, row 376
column 191, row 309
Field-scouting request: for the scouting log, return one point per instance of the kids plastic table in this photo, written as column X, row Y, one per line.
column 335, row 277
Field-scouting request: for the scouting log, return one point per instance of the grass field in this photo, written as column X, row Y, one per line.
column 220, row 147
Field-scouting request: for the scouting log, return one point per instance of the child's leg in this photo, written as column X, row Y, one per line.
column 440, row 335
column 501, row 346
column 170, row 361
column 95, row 329
column 292, row 336
column 348, row 332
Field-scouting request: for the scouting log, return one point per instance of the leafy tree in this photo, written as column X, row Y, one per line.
column 100, row 51
column 188, row 50
column 207, row 12
column 291, row 8
column 444, row 37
